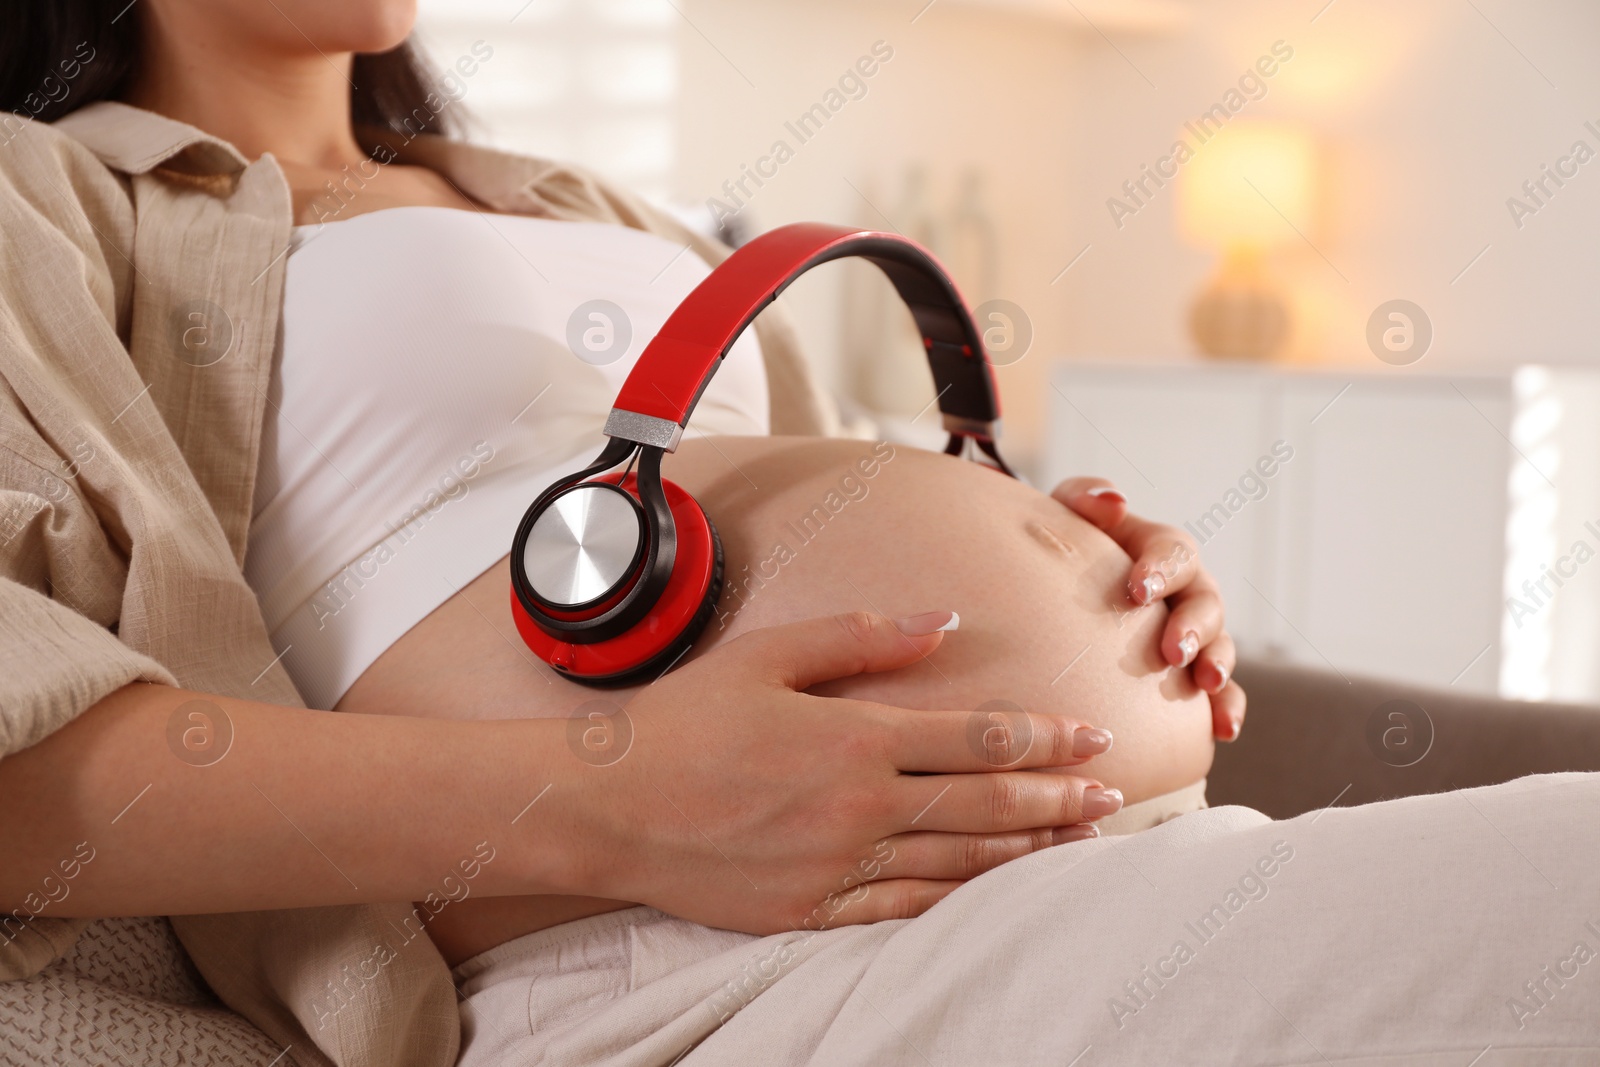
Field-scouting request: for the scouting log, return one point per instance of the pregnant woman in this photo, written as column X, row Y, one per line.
column 250, row 341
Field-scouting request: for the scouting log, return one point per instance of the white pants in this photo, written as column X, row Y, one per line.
column 1429, row 930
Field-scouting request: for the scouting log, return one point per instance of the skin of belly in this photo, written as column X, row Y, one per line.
column 819, row 526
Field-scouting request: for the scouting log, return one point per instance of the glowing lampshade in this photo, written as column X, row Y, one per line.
column 1244, row 182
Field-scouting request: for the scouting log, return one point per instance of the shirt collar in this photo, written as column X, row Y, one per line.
column 135, row 141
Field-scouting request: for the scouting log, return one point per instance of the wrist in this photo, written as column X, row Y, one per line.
column 550, row 822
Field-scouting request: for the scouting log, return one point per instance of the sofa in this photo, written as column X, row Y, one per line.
column 127, row 994
column 1315, row 738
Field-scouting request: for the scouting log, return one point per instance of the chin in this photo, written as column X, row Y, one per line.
column 342, row 26
column 370, row 25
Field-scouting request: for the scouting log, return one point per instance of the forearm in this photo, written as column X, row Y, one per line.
column 305, row 808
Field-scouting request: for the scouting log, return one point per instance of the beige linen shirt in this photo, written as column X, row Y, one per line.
column 128, row 454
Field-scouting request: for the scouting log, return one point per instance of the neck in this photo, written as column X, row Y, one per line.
column 295, row 105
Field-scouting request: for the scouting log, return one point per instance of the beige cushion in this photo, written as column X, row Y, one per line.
column 125, row 994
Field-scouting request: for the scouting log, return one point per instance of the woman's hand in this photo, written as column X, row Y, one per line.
column 745, row 803
column 1166, row 566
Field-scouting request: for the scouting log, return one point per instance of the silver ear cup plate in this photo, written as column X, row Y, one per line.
column 583, row 545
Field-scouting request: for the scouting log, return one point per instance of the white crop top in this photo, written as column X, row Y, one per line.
column 424, row 392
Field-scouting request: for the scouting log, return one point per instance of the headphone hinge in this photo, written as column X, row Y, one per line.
column 975, row 428
column 643, row 429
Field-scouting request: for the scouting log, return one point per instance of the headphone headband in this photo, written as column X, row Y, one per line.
column 660, row 393
column 655, row 606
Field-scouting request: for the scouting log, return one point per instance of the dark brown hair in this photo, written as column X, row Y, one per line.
column 58, row 55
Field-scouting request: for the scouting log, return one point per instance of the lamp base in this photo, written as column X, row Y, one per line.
column 1239, row 314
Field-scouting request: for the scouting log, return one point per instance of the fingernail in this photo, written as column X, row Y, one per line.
column 929, row 622
column 1099, row 802
column 1090, row 741
column 1108, row 493
column 1222, row 673
column 1236, row 724
column 1065, row 835
column 1189, row 647
column 1149, row 590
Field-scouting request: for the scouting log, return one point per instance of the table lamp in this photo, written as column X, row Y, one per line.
column 1245, row 191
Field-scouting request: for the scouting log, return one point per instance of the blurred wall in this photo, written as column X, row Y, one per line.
column 1432, row 113
column 965, row 90
column 593, row 82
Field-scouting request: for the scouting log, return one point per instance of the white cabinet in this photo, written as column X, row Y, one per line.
column 1374, row 523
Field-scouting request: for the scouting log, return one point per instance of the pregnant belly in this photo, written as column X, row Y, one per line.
column 814, row 527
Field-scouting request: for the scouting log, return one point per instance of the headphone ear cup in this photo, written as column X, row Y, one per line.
column 654, row 667
column 674, row 619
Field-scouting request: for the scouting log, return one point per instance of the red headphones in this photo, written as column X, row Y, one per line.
column 613, row 577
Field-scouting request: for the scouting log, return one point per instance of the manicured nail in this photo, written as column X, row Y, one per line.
column 929, row 622
column 1090, row 741
column 1108, row 493
column 1236, row 724
column 1099, row 802
column 1149, row 590
column 1065, row 835
column 1189, row 647
column 1222, row 673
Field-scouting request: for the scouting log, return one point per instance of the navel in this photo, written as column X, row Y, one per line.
column 1048, row 538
